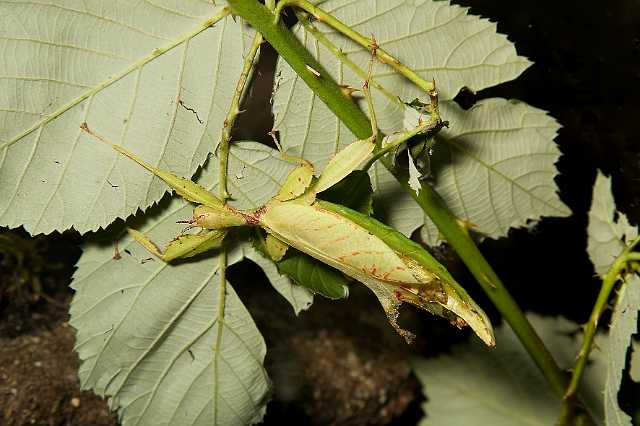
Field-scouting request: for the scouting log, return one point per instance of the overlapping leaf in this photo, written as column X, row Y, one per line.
column 608, row 231
column 160, row 339
column 495, row 166
column 503, row 386
column 488, row 145
column 156, row 77
column 299, row 297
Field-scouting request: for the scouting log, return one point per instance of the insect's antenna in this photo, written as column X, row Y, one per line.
column 367, row 92
column 190, row 222
column 85, row 127
column 186, row 221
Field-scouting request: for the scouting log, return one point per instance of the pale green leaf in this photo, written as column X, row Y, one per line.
column 608, row 233
column 148, row 335
column 608, row 229
column 436, row 39
column 155, row 77
column 495, row 166
column 496, row 162
column 147, row 331
column 502, row 386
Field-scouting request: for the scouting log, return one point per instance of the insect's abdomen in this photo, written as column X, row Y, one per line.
column 337, row 241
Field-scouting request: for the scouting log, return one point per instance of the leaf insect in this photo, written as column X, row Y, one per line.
column 395, row 268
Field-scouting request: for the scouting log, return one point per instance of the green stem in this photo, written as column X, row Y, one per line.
column 229, row 121
column 290, row 48
column 234, row 110
column 633, row 256
column 457, row 235
column 298, row 57
column 608, row 283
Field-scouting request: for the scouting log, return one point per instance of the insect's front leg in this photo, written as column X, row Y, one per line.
column 355, row 154
column 184, row 187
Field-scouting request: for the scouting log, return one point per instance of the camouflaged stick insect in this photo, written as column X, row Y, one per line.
column 395, row 268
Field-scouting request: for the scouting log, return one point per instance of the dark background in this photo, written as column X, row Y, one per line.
column 339, row 362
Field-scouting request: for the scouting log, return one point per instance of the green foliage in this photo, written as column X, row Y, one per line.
column 609, row 232
column 502, row 386
column 171, row 343
column 157, row 80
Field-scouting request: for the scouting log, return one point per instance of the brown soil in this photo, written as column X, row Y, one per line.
column 39, row 385
column 347, row 385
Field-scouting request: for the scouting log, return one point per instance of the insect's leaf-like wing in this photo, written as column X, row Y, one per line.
column 156, row 79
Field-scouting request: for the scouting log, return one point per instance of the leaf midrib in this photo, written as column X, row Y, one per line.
column 208, row 22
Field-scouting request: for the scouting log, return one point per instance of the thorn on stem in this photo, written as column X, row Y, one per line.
column 313, row 71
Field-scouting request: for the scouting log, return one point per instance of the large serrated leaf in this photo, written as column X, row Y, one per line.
column 503, row 386
column 503, row 150
column 608, row 231
column 155, row 77
column 153, row 336
column 440, row 41
column 624, row 323
column 161, row 341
